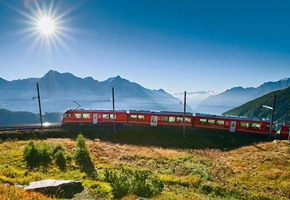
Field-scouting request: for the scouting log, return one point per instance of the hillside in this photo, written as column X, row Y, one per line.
column 185, row 173
column 58, row 92
column 254, row 107
column 231, row 98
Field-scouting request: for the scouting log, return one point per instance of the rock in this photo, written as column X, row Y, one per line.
column 56, row 188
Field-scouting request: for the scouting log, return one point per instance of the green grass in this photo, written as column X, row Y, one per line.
column 205, row 164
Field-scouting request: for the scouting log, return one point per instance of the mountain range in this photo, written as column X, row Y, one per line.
column 60, row 91
column 234, row 97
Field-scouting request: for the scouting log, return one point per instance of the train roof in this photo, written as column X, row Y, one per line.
column 131, row 111
column 159, row 112
column 242, row 118
column 92, row 110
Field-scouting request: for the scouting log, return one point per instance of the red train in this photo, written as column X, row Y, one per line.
column 285, row 130
column 87, row 117
column 150, row 118
column 233, row 123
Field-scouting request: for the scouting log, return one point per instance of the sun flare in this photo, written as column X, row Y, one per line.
column 46, row 26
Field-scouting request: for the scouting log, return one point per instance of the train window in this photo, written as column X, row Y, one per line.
column 141, row 117
column 211, row 121
column 78, row 115
column 86, row 115
column 106, row 116
column 164, row 118
column 179, row 119
column 133, row 116
column 203, row 121
column 256, row 125
column 186, row 119
column 244, row 124
column 171, row 119
column 220, row 122
column 112, row 116
column 65, row 115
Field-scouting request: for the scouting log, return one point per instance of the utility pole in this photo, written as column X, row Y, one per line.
column 272, row 118
column 39, row 105
column 113, row 101
column 184, row 111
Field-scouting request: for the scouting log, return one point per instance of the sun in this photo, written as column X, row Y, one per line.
column 46, row 25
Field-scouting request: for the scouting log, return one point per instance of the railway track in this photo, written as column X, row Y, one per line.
column 29, row 126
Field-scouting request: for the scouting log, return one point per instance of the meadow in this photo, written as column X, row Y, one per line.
column 204, row 164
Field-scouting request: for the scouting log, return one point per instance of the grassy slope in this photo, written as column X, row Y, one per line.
column 256, row 171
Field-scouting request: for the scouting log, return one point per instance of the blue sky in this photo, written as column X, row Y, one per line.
column 179, row 45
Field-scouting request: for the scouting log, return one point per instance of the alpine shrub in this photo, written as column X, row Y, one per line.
column 82, row 157
column 37, row 154
column 119, row 183
column 60, row 159
column 31, row 155
column 144, row 184
column 140, row 182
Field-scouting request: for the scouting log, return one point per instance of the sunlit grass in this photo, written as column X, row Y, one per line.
column 257, row 171
column 10, row 192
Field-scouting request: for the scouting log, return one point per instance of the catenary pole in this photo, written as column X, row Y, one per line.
column 39, row 105
column 272, row 118
column 184, row 111
column 113, row 101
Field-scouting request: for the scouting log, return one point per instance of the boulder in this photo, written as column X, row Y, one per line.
column 56, row 188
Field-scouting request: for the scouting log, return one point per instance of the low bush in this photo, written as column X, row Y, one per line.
column 144, row 184
column 58, row 148
column 37, row 155
column 119, row 182
column 100, row 190
column 82, row 157
column 139, row 182
column 60, row 159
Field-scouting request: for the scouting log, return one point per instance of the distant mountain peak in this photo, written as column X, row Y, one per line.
column 89, row 78
column 160, row 90
column 116, row 78
column 51, row 72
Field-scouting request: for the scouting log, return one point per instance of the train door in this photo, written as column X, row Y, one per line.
column 153, row 121
column 233, row 126
column 95, row 118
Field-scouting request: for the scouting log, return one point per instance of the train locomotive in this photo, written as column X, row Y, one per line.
column 164, row 118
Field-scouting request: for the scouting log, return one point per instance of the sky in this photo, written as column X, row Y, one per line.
column 176, row 45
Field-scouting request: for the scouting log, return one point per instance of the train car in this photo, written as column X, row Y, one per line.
column 162, row 118
column 285, row 130
column 93, row 117
column 233, row 124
